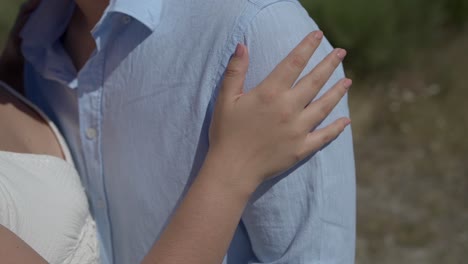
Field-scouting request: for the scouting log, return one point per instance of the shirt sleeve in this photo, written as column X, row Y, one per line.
column 308, row 214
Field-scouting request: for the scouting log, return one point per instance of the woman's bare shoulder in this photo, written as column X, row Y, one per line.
column 23, row 129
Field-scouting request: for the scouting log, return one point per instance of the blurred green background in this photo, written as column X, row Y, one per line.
column 408, row 59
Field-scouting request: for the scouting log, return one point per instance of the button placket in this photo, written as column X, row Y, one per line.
column 91, row 133
column 90, row 120
column 100, row 204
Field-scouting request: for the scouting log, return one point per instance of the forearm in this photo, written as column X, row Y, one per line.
column 203, row 225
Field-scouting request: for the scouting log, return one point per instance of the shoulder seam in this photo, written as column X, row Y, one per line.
column 252, row 9
column 243, row 21
column 265, row 3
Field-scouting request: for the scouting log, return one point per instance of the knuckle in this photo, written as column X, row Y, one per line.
column 297, row 61
column 336, row 131
column 326, row 137
column 314, row 80
column 285, row 117
column 286, row 113
column 297, row 157
column 332, row 133
column 232, row 71
column 268, row 96
column 296, row 134
column 317, row 79
column 323, row 110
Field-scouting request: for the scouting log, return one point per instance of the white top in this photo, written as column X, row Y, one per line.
column 43, row 202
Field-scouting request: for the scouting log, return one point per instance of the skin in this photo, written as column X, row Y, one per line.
column 78, row 41
column 253, row 136
column 26, row 131
column 13, row 250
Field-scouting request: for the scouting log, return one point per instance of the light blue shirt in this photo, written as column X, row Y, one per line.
column 137, row 115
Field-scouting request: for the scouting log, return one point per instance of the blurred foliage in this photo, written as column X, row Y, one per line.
column 408, row 61
column 382, row 33
column 8, row 10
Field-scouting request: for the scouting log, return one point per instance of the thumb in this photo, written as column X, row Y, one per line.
column 234, row 77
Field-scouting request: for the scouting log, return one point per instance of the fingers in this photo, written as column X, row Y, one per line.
column 309, row 86
column 317, row 111
column 319, row 138
column 234, row 77
column 289, row 70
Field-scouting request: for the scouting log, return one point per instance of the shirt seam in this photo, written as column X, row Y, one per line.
column 243, row 21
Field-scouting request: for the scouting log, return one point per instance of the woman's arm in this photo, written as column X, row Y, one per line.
column 256, row 135
column 203, row 226
column 13, row 250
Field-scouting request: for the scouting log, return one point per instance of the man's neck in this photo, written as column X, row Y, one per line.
column 78, row 41
column 92, row 11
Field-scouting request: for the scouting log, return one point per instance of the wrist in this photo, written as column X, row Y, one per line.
column 231, row 174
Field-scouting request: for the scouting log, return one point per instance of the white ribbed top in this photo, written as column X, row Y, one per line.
column 43, row 202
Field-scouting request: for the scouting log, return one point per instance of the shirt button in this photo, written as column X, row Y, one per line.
column 91, row 133
column 126, row 19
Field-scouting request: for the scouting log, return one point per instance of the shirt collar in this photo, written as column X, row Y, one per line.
column 48, row 23
column 147, row 12
column 50, row 19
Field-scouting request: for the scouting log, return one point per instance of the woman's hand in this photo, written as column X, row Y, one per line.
column 11, row 59
column 268, row 130
column 253, row 137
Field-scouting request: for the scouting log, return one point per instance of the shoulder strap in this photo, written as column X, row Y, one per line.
column 58, row 135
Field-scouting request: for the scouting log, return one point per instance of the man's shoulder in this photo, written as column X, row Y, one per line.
column 225, row 10
column 258, row 3
column 213, row 17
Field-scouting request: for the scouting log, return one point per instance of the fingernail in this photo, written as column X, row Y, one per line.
column 318, row 34
column 348, row 122
column 347, row 83
column 239, row 50
column 341, row 53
